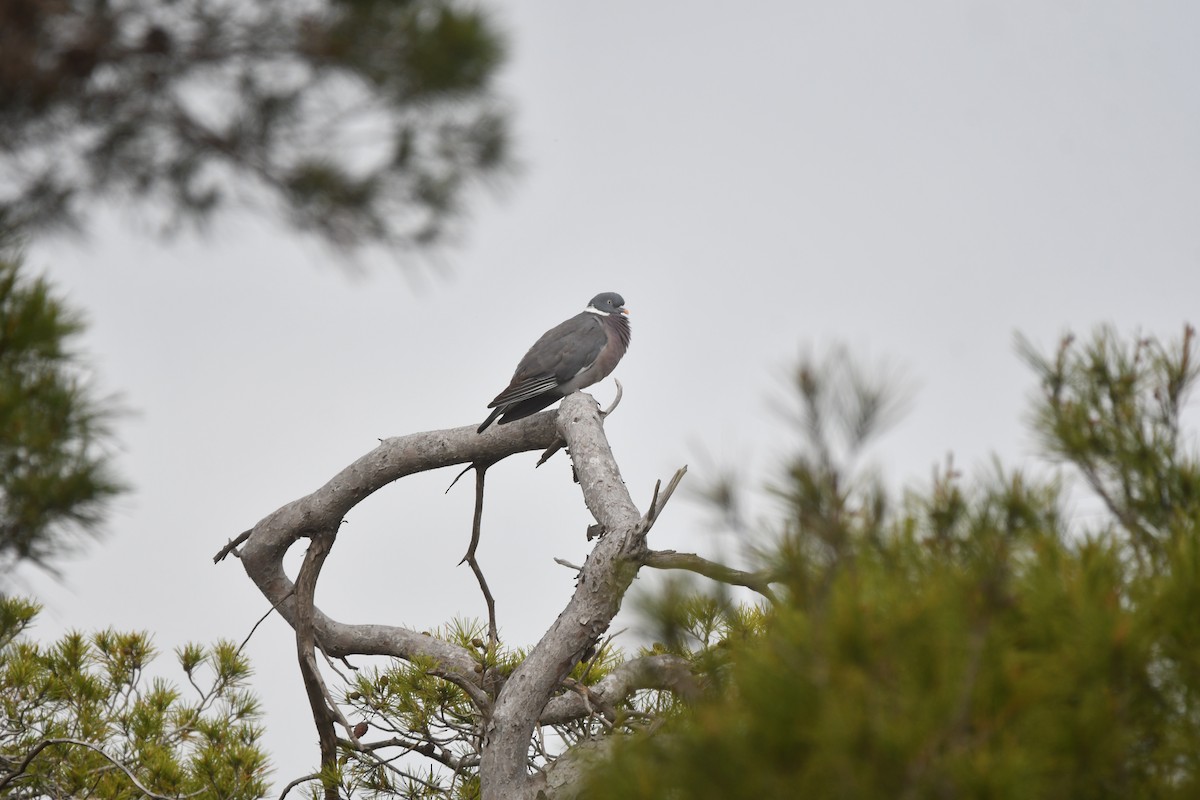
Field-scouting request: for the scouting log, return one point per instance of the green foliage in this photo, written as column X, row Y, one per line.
column 419, row 711
column 971, row 641
column 364, row 121
column 1112, row 409
column 701, row 627
column 76, row 709
column 425, row 733
column 56, row 474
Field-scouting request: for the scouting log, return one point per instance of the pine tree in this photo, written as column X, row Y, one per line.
column 974, row 641
column 57, row 477
column 359, row 121
column 81, row 719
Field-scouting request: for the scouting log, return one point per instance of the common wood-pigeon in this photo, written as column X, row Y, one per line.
column 568, row 357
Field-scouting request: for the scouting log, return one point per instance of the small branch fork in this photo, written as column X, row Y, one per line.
column 659, row 501
column 561, row 443
column 232, row 546
column 476, row 522
column 759, row 581
column 600, row 587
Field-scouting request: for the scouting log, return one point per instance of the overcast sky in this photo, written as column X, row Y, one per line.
column 919, row 181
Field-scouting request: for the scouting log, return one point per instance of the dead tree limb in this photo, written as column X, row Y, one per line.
column 476, row 527
column 670, row 672
column 600, row 588
column 759, row 581
column 528, row 695
column 264, row 547
column 324, row 716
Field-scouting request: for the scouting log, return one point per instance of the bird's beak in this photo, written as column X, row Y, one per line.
column 624, row 310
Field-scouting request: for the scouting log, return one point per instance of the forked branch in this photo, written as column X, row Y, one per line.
column 531, row 695
column 476, row 525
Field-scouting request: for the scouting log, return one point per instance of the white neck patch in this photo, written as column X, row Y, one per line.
column 594, row 310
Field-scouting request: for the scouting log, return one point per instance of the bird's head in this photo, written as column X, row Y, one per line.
column 607, row 303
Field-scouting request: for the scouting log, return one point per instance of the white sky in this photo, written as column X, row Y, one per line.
column 917, row 180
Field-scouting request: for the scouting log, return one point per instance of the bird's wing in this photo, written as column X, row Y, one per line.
column 562, row 353
column 517, row 392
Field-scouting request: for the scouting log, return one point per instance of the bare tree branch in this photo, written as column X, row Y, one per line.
column 527, row 698
column 476, row 524
column 426, row 749
column 550, row 451
column 602, row 583
column 324, row 716
column 231, row 547
column 561, row 443
column 394, row 458
column 659, row 502
column 668, row 672
column 669, row 559
column 314, row 776
column 616, row 400
column 261, row 620
column 478, row 696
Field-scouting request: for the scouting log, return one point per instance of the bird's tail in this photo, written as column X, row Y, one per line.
column 491, row 418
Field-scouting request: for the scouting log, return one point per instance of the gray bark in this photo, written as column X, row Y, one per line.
column 528, row 695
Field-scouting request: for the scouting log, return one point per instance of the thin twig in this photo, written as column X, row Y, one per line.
column 607, row 712
column 481, row 469
column 414, row 778
column 476, row 523
column 231, row 546
column 550, row 451
column 329, row 661
column 599, row 654
column 427, row 749
column 297, row 782
column 478, row 696
column 263, row 618
column 660, row 498
column 652, row 512
column 493, row 631
column 466, row 469
column 616, row 400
